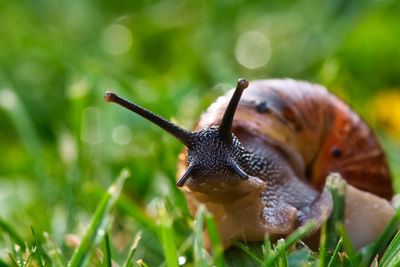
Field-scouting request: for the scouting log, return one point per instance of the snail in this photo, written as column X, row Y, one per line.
column 258, row 158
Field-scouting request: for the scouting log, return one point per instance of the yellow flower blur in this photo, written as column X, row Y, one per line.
column 387, row 111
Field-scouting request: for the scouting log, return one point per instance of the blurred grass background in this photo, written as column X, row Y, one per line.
column 61, row 144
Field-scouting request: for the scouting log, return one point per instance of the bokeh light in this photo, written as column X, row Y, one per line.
column 253, row 50
column 8, row 99
column 116, row 39
column 90, row 126
column 122, row 135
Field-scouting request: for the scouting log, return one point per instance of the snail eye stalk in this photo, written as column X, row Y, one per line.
column 225, row 128
column 238, row 170
column 184, row 136
column 184, row 177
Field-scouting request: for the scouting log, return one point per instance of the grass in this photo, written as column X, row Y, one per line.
column 99, row 224
column 167, row 237
column 36, row 249
column 107, row 258
column 128, row 261
column 285, row 252
column 62, row 146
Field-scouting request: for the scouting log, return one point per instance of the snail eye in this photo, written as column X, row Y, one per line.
column 336, row 152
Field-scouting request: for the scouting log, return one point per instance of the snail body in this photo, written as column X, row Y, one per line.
column 258, row 161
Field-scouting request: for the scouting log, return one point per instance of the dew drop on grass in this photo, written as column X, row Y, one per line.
column 182, row 260
column 101, row 232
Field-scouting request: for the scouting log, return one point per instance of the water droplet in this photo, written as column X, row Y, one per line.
column 101, row 232
column 182, row 260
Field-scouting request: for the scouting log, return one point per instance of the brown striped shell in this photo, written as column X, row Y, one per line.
column 318, row 132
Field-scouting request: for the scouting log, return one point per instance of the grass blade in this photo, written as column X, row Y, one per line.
column 337, row 186
column 347, row 262
column 97, row 225
column 186, row 245
column 335, row 257
column 132, row 251
column 18, row 254
column 53, row 251
column 215, row 241
column 322, row 246
column 37, row 248
column 13, row 259
column 12, row 233
column 137, row 213
column 347, row 244
column 290, row 240
column 28, row 260
column 346, row 239
column 391, row 256
column 141, row 263
column 329, row 234
column 283, row 261
column 267, row 249
column 167, row 237
column 368, row 253
column 107, row 251
column 248, row 251
column 198, row 238
column 131, row 209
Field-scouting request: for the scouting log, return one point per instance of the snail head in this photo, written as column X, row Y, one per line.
column 212, row 152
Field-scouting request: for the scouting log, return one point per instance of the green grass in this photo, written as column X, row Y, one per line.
column 128, row 260
column 167, row 236
column 107, row 258
column 391, row 256
column 98, row 225
column 61, row 145
column 36, row 249
column 285, row 252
